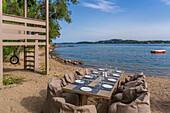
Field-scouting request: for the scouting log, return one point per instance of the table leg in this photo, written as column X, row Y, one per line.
column 83, row 100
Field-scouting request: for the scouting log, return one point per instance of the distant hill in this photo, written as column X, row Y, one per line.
column 121, row 41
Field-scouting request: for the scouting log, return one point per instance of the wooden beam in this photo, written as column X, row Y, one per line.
column 22, row 43
column 25, row 58
column 36, row 56
column 6, row 36
column 25, row 32
column 23, row 28
column 1, row 47
column 23, row 20
column 25, row 8
column 1, row 62
column 47, row 36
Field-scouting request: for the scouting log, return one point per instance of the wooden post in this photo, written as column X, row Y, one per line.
column 36, row 56
column 25, row 15
column 1, row 47
column 47, row 37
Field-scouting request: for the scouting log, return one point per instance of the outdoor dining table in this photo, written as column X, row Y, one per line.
column 93, row 83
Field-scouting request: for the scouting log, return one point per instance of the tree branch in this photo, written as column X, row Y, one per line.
column 38, row 10
column 54, row 12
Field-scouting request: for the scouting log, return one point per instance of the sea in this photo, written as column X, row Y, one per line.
column 132, row 58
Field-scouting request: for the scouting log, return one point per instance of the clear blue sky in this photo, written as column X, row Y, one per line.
column 94, row 20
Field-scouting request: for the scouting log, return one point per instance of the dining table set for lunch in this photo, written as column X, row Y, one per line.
column 99, row 83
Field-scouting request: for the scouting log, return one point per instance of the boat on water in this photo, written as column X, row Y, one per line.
column 158, row 51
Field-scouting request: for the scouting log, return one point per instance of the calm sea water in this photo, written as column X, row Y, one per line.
column 129, row 57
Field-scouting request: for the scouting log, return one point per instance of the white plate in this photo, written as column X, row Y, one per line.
column 88, row 76
column 85, row 89
column 80, row 81
column 116, row 75
column 118, row 71
column 95, row 72
column 112, row 80
column 107, row 86
column 100, row 69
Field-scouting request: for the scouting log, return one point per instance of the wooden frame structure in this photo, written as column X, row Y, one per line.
column 23, row 28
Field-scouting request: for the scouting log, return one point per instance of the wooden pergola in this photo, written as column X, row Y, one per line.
column 23, row 31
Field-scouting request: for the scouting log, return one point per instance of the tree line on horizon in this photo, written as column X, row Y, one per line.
column 120, row 41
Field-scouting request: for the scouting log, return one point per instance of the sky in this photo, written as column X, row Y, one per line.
column 94, row 20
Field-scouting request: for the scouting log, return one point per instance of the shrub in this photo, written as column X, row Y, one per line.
column 8, row 79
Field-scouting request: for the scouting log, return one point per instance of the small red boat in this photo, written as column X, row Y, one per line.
column 158, row 51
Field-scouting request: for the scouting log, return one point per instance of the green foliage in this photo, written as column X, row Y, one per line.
column 56, row 76
column 58, row 11
column 42, row 70
column 8, row 79
column 54, row 29
column 7, row 51
column 120, row 41
column 15, row 7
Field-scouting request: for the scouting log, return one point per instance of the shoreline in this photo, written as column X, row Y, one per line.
column 29, row 96
column 149, row 64
column 96, row 67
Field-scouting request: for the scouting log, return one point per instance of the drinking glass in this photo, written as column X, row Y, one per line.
column 87, row 83
column 99, row 84
column 105, row 74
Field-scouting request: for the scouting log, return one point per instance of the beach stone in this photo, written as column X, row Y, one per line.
column 75, row 62
column 70, row 61
column 81, row 62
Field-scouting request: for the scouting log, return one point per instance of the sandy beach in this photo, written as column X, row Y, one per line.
column 29, row 95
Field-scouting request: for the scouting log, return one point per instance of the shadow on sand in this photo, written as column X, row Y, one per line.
column 16, row 69
column 162, row 106
column 34, row 104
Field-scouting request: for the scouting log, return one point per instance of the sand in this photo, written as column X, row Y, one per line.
column 28, row 96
